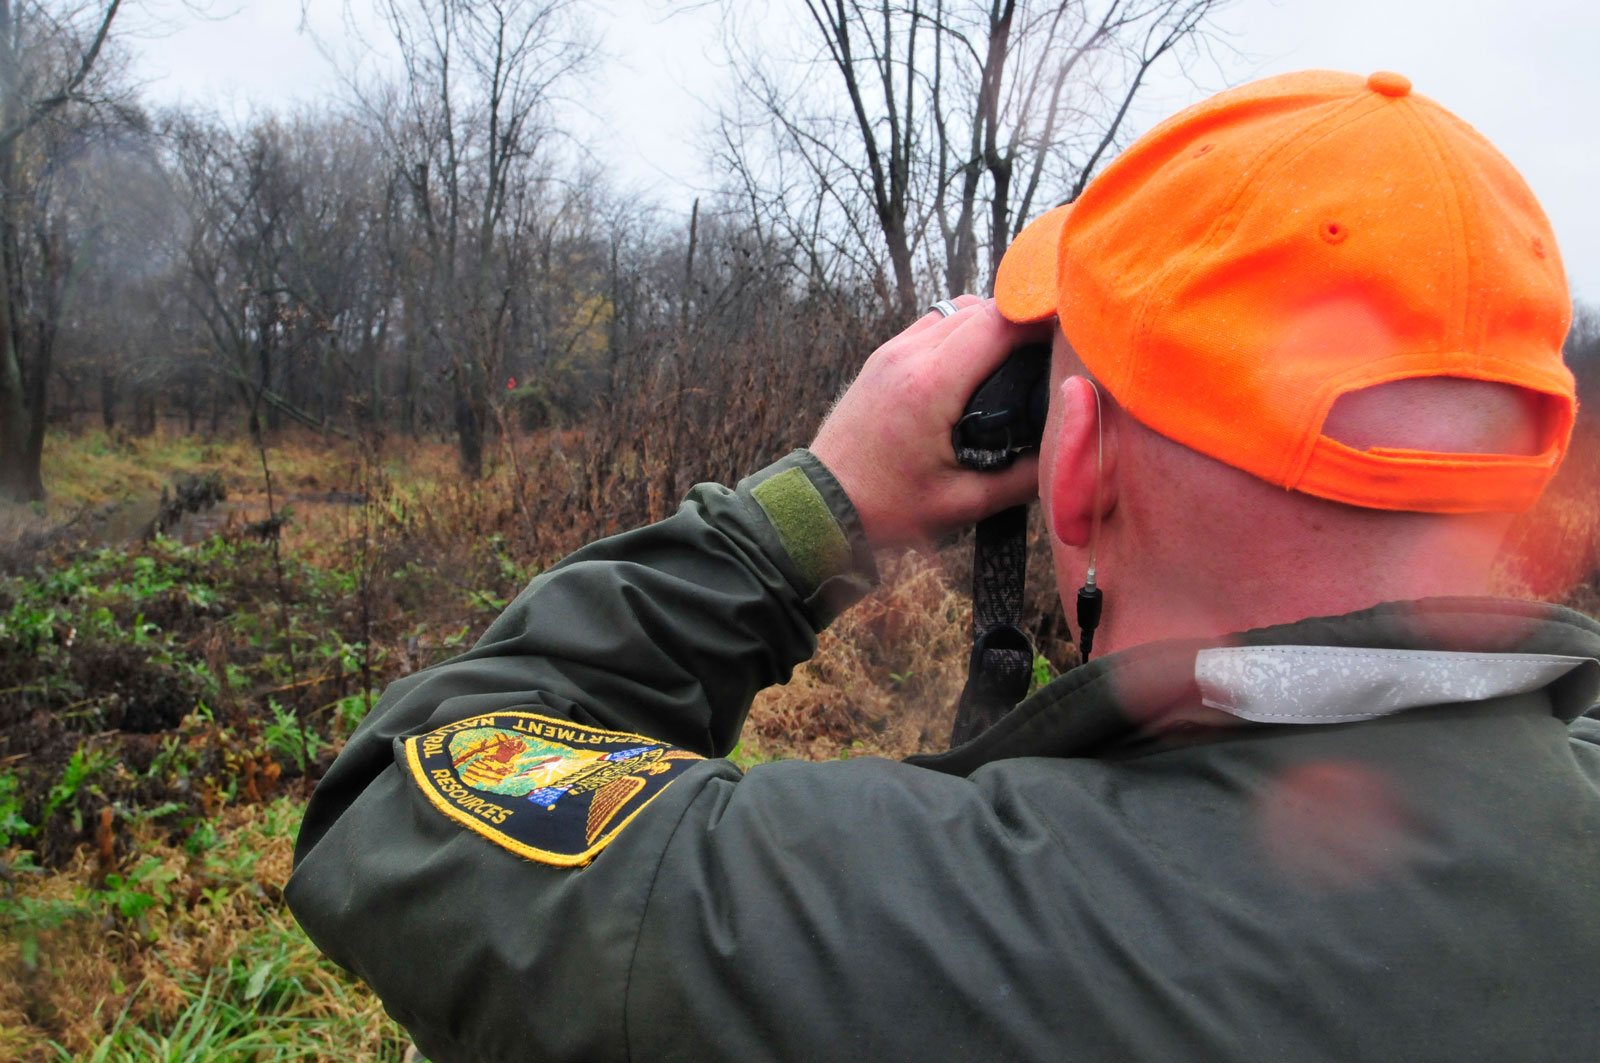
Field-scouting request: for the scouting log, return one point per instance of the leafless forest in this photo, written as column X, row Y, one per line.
column 433, row 255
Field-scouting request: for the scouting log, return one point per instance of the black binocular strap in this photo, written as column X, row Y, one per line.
column 1002, row 654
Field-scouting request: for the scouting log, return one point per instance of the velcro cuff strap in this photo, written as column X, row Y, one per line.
column 813, row 532
column 805, row 524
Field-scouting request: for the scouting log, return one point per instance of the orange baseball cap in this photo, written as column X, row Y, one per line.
column 1256, row 256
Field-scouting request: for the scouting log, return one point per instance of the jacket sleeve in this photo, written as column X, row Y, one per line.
column 668, row 632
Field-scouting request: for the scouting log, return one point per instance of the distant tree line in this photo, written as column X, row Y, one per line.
column 435, row 253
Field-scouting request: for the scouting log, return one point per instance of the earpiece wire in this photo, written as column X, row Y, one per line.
column 1099, row 472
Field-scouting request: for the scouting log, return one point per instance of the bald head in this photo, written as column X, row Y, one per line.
column 1190, row 546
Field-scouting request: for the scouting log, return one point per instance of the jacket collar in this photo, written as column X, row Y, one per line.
column 1348, row 684
column 1144, row 689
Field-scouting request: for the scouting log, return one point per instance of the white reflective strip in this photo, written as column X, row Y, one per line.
column 1333, row 684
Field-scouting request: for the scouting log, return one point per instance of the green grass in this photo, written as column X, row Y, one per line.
column 206, row 965
column 94, row 466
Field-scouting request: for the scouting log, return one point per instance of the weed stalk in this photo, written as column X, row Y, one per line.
column 273, row 527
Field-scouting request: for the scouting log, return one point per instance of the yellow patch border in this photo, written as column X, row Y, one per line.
column 500, row 838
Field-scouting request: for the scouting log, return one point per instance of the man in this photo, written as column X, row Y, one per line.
column 1307, row 361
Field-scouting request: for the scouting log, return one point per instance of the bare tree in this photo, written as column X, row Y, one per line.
column 959, row 117
column 428, row 254
column 466, row 128
column 118, row 214
column 336, row 264
column 49, row 53
column 238, row 195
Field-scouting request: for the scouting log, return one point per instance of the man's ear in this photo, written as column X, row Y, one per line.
column 1078, row 433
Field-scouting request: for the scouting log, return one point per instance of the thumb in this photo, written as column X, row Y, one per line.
column 983, row 494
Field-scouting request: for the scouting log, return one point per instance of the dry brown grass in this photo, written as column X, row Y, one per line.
column 98, row 977
column 885, row 676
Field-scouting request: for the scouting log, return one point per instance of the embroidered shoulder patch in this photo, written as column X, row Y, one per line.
column 550, row 790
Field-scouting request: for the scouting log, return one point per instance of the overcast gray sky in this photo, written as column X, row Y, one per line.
column 1525, row 72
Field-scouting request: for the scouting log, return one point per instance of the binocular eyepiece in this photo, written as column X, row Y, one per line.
column 1005, row 416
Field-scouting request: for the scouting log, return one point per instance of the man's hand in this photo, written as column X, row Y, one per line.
column 887, row 441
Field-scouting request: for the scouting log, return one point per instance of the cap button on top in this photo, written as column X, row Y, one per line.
column 1389, row 83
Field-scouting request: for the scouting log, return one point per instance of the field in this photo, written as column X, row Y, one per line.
column 166, row 700
column 172, row 682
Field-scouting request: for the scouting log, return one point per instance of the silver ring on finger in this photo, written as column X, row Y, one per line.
column 945, row 307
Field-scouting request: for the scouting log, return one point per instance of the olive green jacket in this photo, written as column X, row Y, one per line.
column 1132, row 865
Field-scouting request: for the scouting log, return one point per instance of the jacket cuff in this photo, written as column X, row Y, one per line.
column 820, row 544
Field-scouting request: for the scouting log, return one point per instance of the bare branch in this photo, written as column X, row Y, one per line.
column 39, row 109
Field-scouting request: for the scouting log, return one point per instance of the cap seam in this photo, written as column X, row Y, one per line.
column 1506, row 371
column 1460, row 302
column 1559, row 383
column 1474, row 323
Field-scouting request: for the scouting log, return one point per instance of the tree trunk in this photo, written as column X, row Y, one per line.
column 469, row 429
column 274, row 418
column 19, row 468
column 905, row 279
column 19, row 481
column 108, row 397
column 144, row 412
column 19, row 463
column 999, row 218
column 24, row 384
column 191, row 401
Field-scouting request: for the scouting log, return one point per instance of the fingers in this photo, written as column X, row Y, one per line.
column 887, row 440
column 980, row 342
column 966, row 497
column 982, row 494
column 933, row 317
column 959, row 350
